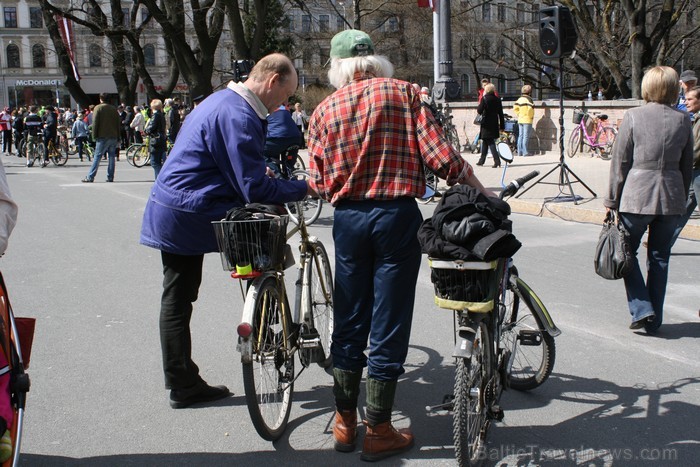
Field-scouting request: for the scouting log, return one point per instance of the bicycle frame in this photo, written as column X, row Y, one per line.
column 590, row 140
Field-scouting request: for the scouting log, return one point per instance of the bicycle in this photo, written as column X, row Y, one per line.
column 290, row 166
column 32, row 148
column 504, row 338
column 443, row 114
column 270, row 333
column 55, row 155
column 600, row 141
column 139, row 154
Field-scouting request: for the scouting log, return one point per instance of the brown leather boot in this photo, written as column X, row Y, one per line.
column 345, row 430
column 384, row 440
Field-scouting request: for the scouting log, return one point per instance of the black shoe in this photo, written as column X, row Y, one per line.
column 109, row 181
column 201, row 392
column 642, row 322
column 495, row 166
column 86, row 180
column 480, row 163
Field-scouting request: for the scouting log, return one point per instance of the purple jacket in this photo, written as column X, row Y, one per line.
column 215, row 165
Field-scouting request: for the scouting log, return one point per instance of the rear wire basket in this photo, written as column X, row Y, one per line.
column 252, row 245
column 465, row 285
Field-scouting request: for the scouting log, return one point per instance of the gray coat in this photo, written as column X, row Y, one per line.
column 652, row 161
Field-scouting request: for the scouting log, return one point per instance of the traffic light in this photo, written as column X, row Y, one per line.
column 557, row 32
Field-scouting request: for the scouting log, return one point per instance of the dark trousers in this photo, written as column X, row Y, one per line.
column 7, row 140
column 182, row 276
column 377, row 257
column 486, row 144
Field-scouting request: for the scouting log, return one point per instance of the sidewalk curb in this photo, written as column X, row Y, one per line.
column 577, row 213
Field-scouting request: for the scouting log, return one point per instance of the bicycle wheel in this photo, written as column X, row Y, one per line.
column 268, row 379
column 319, row 301
column 530, row 348
column 299, row 164
column 574, row 143
column 310, row 207
column 130, row 151
column 57, row 157
column 605, row 140
column 431, row 186
column 141, row 156
column 453, row 138
column 71, row 147
column 470, row 422
column 38, row 152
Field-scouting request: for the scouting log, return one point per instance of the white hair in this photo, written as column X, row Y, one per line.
column 343, row 70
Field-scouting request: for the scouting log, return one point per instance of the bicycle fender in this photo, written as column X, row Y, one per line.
column 534, row 302
column 245, row 345
column 464, row 344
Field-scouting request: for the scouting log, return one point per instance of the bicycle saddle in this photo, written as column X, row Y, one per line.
column 602, row 117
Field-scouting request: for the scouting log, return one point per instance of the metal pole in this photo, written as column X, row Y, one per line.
column 436, row 46
column 446, row 88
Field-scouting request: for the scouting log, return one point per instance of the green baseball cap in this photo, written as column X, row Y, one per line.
column 351, row 43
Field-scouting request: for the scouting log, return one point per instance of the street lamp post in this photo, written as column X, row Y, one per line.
column 446, row 88
column 341, row 3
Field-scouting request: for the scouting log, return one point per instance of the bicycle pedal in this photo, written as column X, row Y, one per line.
column 497, row 413
column 309, row 342
column 527, row 337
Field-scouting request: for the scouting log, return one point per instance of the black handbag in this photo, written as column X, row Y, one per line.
column 613, row 254
column 478, row 119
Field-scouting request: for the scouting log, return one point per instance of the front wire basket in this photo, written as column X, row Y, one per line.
column 465, row 285
column 252, row 245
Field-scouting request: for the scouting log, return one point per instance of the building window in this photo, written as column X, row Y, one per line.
column 10, row 16
column 149, row 55
column 324, row 55
column 127, row 17
column 306, row 23
column 290, row 20
column 463, row 48
column 535, row 12
column 486, row 47
column 520, row 13
column 501, row 85
column 12, row 56
column 465, row 84
column 340, row 23
column 95, row 55
column 38, row 56
column 324, row 22
column 501, row 52
column 501, row 12
column 393, row 24
column 36, row 20
column 486, row 12
column 144, row 18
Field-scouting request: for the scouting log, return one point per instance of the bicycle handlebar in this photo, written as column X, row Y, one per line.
column 516, row 184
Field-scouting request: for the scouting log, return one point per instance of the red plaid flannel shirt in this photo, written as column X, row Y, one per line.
column 369, row 140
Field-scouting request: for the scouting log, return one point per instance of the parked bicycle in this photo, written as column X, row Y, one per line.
column 601, row 139
column 271, row 334
column 139, row 155
column 504, row 338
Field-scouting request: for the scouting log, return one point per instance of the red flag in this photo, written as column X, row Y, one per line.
column 65, row 27
column 432, row 4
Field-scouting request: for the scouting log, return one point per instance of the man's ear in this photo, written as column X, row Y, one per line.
column 272, row 80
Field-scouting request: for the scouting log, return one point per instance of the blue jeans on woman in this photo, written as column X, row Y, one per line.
column 377, row 258
column 646, row 298
column 157, row 159
column 524, row 130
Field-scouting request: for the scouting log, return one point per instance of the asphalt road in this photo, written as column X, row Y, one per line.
column 616, row 397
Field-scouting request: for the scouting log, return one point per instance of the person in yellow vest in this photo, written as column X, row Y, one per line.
column 524, row 110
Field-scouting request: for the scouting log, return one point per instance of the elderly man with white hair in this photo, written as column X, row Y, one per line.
column 367, row 144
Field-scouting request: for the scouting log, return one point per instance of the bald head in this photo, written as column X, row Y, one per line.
column 273, row 79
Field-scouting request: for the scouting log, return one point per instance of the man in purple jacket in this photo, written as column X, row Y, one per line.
column 216, row 164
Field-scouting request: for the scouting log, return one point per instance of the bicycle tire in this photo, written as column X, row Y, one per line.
column 605, row 141
column 299, row 164
column 453, row 138
column 56, row 157
column 531, row 364
column 574, row 142
column 268, row 380
column 141, row 157
column 310, row 207
column 71, row 147
column 470, row 420
column 319, row 301
column 431, row 183
column 38, row 152
column 130, row 152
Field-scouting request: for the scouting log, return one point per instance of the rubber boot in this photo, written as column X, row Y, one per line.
column 346, row 389
column 382, row 439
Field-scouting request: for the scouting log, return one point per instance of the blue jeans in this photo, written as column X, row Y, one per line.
column 647, row 298
column 690, row 206
column 157, row 158
column 377, row 257
column 523, row 137
column 104, row 145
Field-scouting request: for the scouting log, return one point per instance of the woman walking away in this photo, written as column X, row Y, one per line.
column 155, row 129
column 650, row 173
column 492, row 110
